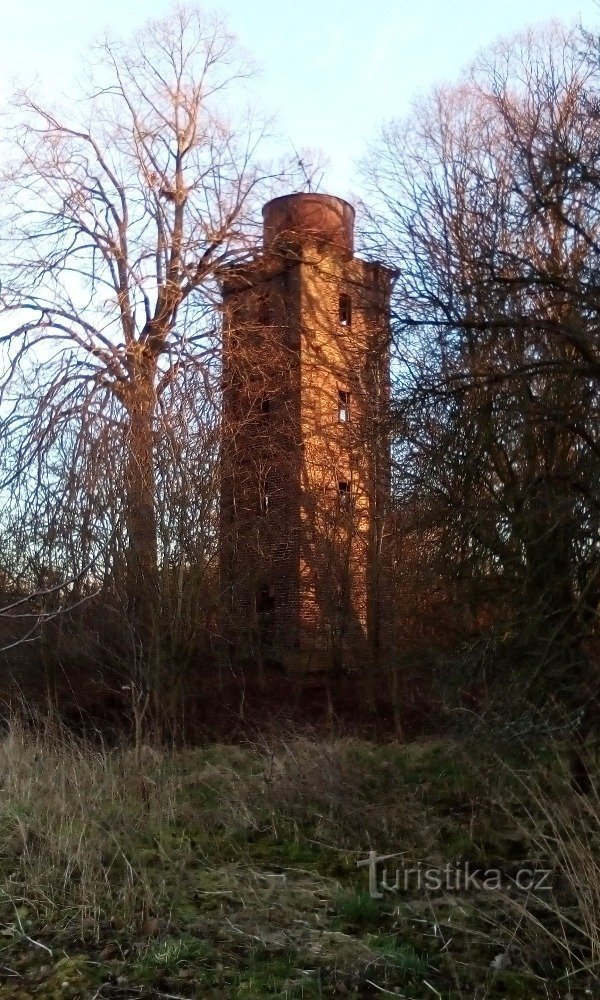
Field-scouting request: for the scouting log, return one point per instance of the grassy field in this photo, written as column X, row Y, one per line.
column 231, row 871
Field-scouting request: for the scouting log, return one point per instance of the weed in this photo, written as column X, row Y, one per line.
column 359, row 910
column 402, row 954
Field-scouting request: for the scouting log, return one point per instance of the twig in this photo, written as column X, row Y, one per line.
column 244, row 933
column 11, row 972
column 389, row 993
column 46, row 592
column 36, row 944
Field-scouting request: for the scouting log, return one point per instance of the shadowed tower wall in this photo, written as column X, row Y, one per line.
column 305, row 463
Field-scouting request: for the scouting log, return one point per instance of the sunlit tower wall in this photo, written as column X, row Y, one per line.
column 305, row 459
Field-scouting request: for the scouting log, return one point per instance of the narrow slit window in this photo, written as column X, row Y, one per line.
column 345, row 309
column 265, row 406
column 265, row 500
column 343, row 406
column 264, row 312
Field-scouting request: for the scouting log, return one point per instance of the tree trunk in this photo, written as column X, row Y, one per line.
column 140, row 517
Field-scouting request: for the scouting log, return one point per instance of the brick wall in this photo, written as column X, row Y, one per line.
column 304, row 461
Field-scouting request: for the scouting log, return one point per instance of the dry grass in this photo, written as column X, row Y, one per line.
column 562, row 827
column 236, row 865
column 342, row 789
column 72, row 815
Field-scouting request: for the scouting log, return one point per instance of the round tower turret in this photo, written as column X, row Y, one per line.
column 306, row 218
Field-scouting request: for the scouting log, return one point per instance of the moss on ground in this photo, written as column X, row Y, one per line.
column 231, row 872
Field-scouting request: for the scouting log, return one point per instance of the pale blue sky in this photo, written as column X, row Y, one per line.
column 332, row 70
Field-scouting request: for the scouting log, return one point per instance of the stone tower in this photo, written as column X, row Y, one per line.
column 305, row 461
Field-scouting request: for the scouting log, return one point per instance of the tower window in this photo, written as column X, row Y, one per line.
column 265, row 499
column 343, row 406
column 345, row 309
column 344, row 492
column 265, row 607
column 264, row 312
column 265, row 406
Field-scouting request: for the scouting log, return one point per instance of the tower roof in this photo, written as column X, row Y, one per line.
column 305, row 217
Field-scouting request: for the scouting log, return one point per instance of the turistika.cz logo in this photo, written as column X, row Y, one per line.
column 452, row 877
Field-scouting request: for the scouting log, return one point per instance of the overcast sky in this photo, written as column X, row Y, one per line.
column 332, row 70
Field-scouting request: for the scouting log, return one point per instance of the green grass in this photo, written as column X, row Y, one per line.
column 228, row 872
column 402, row 955
column 359, row 910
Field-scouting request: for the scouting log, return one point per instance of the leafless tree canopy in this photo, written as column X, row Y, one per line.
column 487, row 200
column 120, row 208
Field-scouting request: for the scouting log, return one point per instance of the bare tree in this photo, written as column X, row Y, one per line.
column 488, row 201
column 118, row 212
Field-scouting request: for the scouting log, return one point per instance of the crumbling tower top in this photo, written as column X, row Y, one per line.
column 295, row 220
